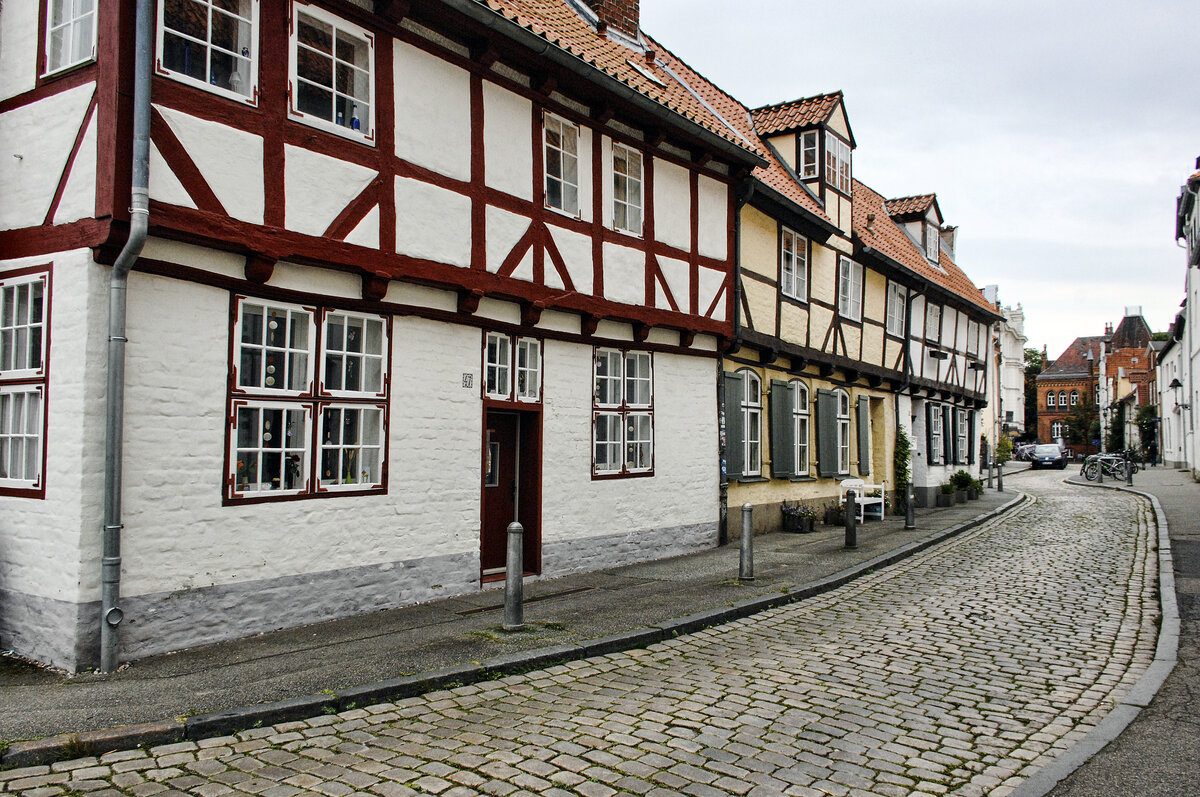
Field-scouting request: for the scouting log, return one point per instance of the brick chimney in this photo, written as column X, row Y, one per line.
column 620, row 14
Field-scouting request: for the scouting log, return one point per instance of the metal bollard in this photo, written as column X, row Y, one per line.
column 991, row 464
column 746, row 562
column 514, row 608
column 1128, row 468
column 910, row 507
column 1100, row 471
column 1000, row 477
column 851, row 520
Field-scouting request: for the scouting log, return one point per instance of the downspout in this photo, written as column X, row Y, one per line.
column 742, row 197
column 139, row 223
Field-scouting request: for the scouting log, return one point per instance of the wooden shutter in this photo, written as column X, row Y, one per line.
column 949, row 436
column 827, row 453
column 735, row 388
column 864, row 436
column 783, row 433
column 971, row 444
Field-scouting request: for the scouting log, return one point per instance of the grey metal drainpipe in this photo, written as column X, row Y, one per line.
column 139, row 224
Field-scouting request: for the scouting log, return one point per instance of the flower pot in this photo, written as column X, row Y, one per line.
column 960, row 496
column 972, row 494
column 807, row 523
column 791, row 524
column 945, row 499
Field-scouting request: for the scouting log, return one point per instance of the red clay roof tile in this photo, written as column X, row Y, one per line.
column 905, row 206
column 784, row 116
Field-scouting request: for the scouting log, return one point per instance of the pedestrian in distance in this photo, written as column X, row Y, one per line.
column 1152, row 453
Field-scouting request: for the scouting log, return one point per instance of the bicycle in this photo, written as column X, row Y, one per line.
column 1113, row 466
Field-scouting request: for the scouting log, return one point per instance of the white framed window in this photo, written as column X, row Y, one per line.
column 70, row 33
column 497, row 365
column 973, row 338
column 897, row 296
column 809, row 155
column 837, row 163
column 562, row 164
column 212, row 44
column 622, row 413
column 850, row 289
column 529, row 370
column 1074, row 398
column 512, row 368
column 800, row 426
column 843, row 431
column 627, row 189
column 1062, row 398
column 1056, row 429
column 933, row 322
column 932, row 241
column 793, row 265
column 24, row 319
column 751, row 425
column 309, row 401
column 934, row 416
column 960, row 419
column 332, row 78
column 1051, row 399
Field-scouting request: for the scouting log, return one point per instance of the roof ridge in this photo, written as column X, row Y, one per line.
column 797, row 101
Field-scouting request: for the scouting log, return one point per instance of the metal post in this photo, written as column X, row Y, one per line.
column 514, row 609
column 1000, row 477
column 1128, row 468
column 910, row 507
column 1100, row 471
column 991, row 465
column 851, row 520
column 746, row 563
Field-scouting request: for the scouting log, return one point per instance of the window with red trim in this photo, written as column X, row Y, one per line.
column 24, row 319
column 309, row 401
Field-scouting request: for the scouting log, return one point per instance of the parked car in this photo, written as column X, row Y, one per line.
column 1047, row 455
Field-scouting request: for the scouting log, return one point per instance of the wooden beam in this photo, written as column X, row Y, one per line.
column 374, row 287
column 588, row 324
column 393, row 10
column 259, row 268
column 531, row 313
column 484, row 54
column 468, row 301
column 641, row 332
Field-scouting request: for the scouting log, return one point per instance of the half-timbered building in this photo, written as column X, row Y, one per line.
column 939, row 327
column 414, row 271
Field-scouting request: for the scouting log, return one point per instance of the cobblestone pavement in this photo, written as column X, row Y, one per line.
column 957, row 671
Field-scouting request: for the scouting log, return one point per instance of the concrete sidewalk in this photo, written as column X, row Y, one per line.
column 337, row 665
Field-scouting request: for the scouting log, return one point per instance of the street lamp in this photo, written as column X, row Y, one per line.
column 1176, row 386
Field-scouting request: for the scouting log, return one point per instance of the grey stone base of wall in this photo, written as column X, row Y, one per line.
column 613, row 550
column 67, row 635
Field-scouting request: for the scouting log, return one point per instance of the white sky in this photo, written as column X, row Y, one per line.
column 1056, row 133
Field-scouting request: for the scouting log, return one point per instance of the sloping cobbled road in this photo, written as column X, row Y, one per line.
column 958, row 671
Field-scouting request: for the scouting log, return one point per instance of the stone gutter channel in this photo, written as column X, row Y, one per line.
column 94, row 743
column 1130, row 706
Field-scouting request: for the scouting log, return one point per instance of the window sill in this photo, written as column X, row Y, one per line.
column 802, row 478
column 751, row 479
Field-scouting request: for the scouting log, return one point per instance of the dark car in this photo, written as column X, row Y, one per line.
column 1047, row 455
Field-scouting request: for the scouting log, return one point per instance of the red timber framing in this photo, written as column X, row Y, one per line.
column 208, row 224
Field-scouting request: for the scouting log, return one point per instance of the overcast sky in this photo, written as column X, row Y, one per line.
column 1056, row 133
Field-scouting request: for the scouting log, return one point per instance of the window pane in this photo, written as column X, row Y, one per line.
column 314, row 34
column 608, row 442
column 608, row 378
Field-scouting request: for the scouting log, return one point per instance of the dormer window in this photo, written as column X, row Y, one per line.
column 837, row 163
column 810, row 157
column 932, row 241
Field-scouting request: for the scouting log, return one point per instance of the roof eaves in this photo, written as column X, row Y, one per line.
column 539, row 45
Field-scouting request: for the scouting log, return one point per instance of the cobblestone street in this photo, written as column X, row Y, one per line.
column 957, row 671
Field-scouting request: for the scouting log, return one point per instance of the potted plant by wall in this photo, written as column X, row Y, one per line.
column 976, row 489
column 798, row 518
column 835, row 515
column 945, row 495
column 962, row 482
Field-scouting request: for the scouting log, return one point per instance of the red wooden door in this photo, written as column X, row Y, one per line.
column 500, row 489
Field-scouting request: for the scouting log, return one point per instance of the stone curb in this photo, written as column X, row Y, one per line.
column 228, row 721
column 1130, row 706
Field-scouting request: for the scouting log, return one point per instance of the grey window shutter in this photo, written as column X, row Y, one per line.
column 782, row 432
column 827, row 454
column 864, row 436
column 929, row 450
column 949, row 438
column 734, row 450
column 971, row 444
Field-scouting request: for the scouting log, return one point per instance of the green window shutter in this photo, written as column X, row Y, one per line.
column 948, row 436
column 971, row 444
column 864, row 436
column 930, row 453
column 827, row 454
column 735, row 388
column 783, row 450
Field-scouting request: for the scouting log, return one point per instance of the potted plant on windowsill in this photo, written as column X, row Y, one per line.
column 945, row 495
column 798, row 518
